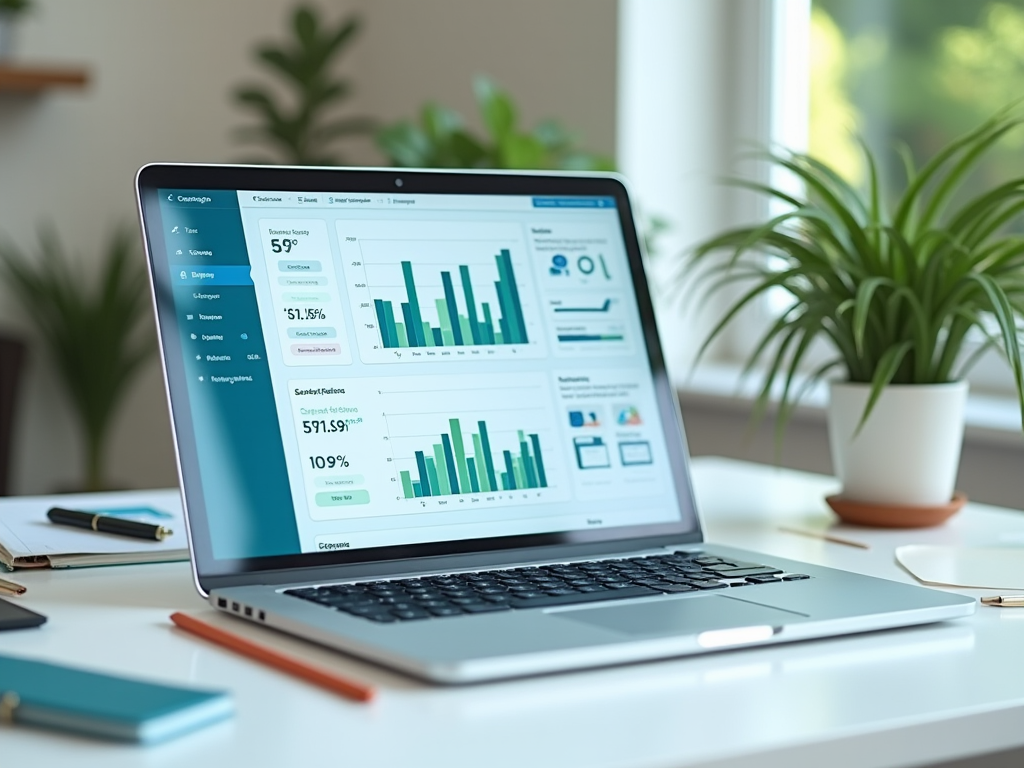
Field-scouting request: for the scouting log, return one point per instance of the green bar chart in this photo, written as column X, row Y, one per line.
column 461, row 321
column 448, row 468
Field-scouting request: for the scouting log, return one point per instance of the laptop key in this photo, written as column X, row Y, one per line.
column 795, row 577
column 709, row 585
column 581, row 597
column 411, row 614
column 485, row 607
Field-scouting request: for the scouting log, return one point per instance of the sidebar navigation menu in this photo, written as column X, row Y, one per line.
column 241, row 455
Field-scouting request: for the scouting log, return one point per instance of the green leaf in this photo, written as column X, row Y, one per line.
column 496, row 109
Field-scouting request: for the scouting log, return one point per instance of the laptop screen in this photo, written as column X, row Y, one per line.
column 354, row 373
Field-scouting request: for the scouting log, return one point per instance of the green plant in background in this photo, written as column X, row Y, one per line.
column 91, row 329
column 303, row 128
column 15, row 6
column 441, row 140
column 894, row 290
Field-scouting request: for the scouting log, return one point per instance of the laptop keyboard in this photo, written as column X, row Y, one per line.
column 543, row 586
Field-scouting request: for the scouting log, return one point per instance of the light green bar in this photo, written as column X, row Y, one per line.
column 403, row 337
column 467, row 330
column 342, row 498
column 428, row 335
column 517, row 467
column 445, row 322
column 498, row 339
column 481, row 465
column 407, row 485
column 442, row 470
column 459, row 449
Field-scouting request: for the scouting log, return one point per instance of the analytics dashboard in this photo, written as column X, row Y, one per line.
column 412, row 368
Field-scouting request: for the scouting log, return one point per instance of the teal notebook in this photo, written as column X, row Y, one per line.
column 52, row 696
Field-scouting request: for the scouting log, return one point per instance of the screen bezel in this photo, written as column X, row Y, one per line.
column 210, row 571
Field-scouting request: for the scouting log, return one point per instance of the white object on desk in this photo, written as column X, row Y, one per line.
column 29, row 540
column 971, row 567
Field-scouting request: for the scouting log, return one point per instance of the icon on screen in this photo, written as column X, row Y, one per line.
column 559, row 265
column 174, row 231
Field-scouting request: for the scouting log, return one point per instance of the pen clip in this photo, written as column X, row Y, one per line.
column 9, row 702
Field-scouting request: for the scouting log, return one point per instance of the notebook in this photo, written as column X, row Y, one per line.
column 29, row 540
column 424, row 418
column 44, row 695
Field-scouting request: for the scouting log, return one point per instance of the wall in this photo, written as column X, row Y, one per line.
column 161, row 78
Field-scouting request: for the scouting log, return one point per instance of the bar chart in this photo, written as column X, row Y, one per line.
column 450, row 468
column 502, row 325
column 481, row 436
column 428, row 292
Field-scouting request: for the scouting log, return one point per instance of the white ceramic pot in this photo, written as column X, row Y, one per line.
column 908, row 451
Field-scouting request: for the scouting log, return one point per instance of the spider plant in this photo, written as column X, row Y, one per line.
column 894, row 290
column 91, row 328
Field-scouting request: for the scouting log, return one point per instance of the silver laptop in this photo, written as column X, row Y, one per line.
column 423, row 418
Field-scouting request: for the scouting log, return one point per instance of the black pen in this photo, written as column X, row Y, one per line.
column 107, row 524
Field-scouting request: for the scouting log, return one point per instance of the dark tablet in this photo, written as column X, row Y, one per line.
column 15, row 617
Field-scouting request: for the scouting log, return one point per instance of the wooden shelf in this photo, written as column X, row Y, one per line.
column 32, row 79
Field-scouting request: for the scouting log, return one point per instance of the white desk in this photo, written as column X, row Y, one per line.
column 897, row 698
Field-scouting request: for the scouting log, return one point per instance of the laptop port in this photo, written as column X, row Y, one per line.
column 234, row 607
column 248, row 611
column 263, row 616
column 222, row 603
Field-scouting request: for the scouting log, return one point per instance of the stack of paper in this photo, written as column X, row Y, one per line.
column 29, row 540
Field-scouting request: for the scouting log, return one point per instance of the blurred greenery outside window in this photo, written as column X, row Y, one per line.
column 914, row 74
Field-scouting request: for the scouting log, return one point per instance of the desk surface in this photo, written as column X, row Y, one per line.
column 895, row 698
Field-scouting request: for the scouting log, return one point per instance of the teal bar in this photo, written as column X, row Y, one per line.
column 416, row 322
column 460, row 454
column 417, row 490
column 485, row 443
column 438, row 339
column 453, row 309
column 473, row 483
column 421, row 465
column 542, row 478
column 503, row 321
column 510, row 469
column 467, row 291
column 382, row 324
column 449, row 461
column 432, row 473
column 531, row 476
column 504, row 481
column 508, row 277
column 488, row 324
column 410, row 327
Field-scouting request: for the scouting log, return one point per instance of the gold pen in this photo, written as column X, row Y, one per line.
column 11, row 588
column 1005, row 601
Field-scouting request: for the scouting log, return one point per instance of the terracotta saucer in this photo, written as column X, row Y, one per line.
column 894, row 515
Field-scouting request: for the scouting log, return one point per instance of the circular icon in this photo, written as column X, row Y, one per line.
column 245, row 336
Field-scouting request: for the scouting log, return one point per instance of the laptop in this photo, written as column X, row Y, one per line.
column 423, row 417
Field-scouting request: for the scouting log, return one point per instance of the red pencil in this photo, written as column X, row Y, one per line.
column 276, row 659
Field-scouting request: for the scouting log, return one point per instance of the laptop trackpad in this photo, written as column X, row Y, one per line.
column 679, row 617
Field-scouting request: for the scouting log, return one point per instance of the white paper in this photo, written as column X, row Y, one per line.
column 972, row 567
column 26, row 532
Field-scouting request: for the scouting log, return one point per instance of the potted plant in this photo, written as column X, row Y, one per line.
column 896, row 292
column 10, row 10
column 90, row 327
